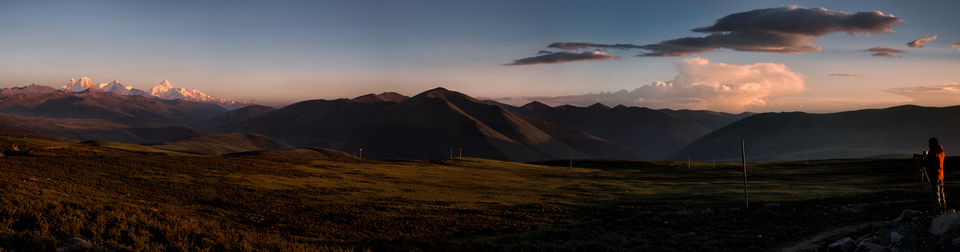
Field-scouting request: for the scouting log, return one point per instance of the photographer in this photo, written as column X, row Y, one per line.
column 934, row 165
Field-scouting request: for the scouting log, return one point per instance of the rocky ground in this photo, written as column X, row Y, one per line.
column 912, row 231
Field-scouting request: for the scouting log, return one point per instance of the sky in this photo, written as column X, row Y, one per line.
column 730, row 56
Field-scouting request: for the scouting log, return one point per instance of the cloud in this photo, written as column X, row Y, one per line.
column 920, row 42
column 802, row 21
column 936, row 95
column 737, row 41
column 542, row 52
column 790, row 30
column 702, row 85
column 847, row 75
column 563, row 57
column 883, row 51
column 955, row 45
column 582, row 45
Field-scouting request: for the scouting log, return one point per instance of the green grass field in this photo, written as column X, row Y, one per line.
column 130, row 201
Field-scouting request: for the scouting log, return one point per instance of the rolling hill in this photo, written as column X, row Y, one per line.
column 126, row 130
column 661, row 132
column 219, row 144
column 899, row 131
column 426, row 125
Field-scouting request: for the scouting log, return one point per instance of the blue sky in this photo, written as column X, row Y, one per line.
column 289, row 51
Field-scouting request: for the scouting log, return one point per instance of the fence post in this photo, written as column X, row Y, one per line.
column 743, row 152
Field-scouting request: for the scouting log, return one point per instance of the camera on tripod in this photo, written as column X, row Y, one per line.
column 920, row 156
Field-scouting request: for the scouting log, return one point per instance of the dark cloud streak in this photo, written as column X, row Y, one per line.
column 883, row 51
column 563, row 57
column 802, row 21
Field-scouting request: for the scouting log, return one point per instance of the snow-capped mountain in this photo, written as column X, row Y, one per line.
column 116, row 87
column 166, row 91
column 162, row 91
column 79, row 85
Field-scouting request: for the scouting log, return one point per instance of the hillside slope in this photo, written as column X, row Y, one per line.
column 661, row 132
column 125, row 130
column 901, row 130
column 222, row 144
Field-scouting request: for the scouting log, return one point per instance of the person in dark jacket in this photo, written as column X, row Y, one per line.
column 934, row 165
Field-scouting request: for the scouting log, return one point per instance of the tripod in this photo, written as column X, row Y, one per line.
column 918, row 183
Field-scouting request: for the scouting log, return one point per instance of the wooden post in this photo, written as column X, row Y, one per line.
column 361, row 153
column 743, row 152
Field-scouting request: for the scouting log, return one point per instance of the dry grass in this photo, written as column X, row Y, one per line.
column 214, row 203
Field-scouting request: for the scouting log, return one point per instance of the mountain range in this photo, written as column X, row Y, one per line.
column 164, row 90
column 443, row 123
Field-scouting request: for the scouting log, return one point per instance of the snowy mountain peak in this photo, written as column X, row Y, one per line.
column 108, row 86
column 161, row 88
column 79, row 86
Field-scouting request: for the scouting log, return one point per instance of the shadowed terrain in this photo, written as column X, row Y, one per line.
column 133, row 197
column 900, row 131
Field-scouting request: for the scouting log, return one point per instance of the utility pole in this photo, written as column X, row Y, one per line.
column 743, row 152
column 361, row 153
column 451, row 153
column 461, row 153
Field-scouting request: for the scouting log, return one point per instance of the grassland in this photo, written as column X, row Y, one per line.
column 130, row 201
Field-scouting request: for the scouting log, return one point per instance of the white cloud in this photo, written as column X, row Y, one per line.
column 702, row 85
column 935, row 95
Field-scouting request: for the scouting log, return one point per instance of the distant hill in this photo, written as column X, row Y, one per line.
column 383, row 97
column 222, row 144
column 898, row 131
column 31, row 89
column 661, row 132
column 426, row 125
column 126, row 130
column 241, row 113
column 104, row 105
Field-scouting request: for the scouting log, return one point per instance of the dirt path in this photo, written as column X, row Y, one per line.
column 815, row 242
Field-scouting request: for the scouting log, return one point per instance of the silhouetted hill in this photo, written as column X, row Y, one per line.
column 901, row 131
column 662, row 132
column 104, row 105
column 31, row 89
column 429, row 124
column 323, row 123
column 426, row 125
column 241, row 113
column 383, row 97
column 218, row 144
